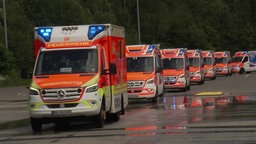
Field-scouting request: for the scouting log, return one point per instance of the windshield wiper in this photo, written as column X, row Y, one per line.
column 43, row 76
column 87, row 74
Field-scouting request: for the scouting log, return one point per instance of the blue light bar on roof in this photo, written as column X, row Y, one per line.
column 182, row 51
column 150, row 48
column 245, row 52
column 45, row 33
column 94, row 30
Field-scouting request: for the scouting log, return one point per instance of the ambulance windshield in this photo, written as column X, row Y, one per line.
column 221, row 60
column 194, row 62
column 67, row 62
column 173, row 63
column 140, row 64
column 207, row 61
column 237, row 59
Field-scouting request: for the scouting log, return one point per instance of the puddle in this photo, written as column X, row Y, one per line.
column 14, row 124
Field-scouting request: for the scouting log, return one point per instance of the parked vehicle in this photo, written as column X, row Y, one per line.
column 223, row 63
column 144, row 71
column 80, row 72
column 209, row 64
column 176, row 69
column 196, row 65
column 244, row 61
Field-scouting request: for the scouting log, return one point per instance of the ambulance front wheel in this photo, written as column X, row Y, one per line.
column 241, row 71
column 36, row 124
column 155, row 98
column 100, row 118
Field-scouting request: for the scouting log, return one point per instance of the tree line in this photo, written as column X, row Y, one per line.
column 202, row 24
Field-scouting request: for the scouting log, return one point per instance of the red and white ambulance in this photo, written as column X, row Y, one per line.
column 176, row 68
column 223, row 63
column 196, row 65
column 80, row 71
column 209, row 64
column 244, row 61
column 144, row 71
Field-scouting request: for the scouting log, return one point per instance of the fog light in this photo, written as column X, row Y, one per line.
column 93, row 103
column 32, row 105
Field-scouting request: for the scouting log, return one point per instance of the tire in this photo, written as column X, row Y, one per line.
column 188, row 87
column 185, row 89
column 241, row 71
column 114, row 117
column 155, row 98
column 100, row 118
column 36, row 124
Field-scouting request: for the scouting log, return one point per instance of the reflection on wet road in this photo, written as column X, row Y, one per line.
column 181, row 118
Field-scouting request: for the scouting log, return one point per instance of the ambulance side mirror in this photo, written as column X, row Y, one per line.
column 159, row 69
column 112, row 68
column 25, row 74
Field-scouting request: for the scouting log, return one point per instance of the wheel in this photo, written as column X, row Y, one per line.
column 185, row 89
column 230, row 73
column 36, row 124
column 241, row 71
column 100, row 118
column 188, row 87
column 114, row 117
column 155, row 98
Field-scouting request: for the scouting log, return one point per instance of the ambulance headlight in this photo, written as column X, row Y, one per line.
column 225, row 68
column 92, row 88
column 210, row 70
column 181, row 76
column 150, row 81
column 33, row 91
column 198, row 72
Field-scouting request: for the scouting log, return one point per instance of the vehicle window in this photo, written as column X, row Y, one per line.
column 140, row 64
column 194, row 62
column 173, row 63
column 208, row 61
column 245, row 59
column 221, row 60
column 67, row 61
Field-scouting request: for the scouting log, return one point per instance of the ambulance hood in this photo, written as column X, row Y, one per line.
column 194, row 69
column 138, row 76
column 173, row 72
column 64, row 80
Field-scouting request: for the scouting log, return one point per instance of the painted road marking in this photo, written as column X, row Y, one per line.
column 214, row 93
column 246, row 75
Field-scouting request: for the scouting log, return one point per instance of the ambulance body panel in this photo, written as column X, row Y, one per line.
column 80, row 71
column 196, row 66
column 223, row 63
column 209, row 64
column 144, row 71
column 176, row 69
column 244, row 61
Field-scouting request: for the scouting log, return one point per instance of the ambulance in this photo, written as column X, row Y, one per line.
column 223, row 63
column 176, row 69
column 209, row 64
column 196, row 66
column 79, row 74
column 144, row 71
column 244, row 61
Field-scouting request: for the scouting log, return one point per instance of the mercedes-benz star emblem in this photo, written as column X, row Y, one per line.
column 61, row 94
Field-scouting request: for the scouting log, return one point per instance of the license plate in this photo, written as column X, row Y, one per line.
column 133, row 96
column 61, row 112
